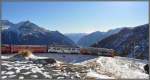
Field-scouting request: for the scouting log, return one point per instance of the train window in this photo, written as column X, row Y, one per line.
column 57, row 48
column 54, row 48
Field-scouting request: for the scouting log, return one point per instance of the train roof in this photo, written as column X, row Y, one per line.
column 66, row 46
column 25, row 45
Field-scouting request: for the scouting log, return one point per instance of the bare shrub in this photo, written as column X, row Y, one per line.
column 25, row 53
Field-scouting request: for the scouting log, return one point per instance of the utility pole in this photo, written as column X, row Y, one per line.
column 134, row 50
column 10, row 42
column 133, row 61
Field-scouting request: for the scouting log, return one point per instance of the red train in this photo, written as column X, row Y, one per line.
column 16, row 48
column 57, row 49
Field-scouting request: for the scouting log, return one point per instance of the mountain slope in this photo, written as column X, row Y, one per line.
column 29, row 33
column 90, row 39
column 75, row 36
column 129, row 42
column 94, row 37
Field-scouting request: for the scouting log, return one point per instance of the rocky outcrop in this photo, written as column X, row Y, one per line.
column 146, row 68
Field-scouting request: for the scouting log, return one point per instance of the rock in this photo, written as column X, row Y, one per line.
column 45, row 61
column 146, row 68
column 51, row 61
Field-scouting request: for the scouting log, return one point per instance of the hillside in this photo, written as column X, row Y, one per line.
column 75, row 36
column 94, row 37
column 89, row 39
column 27, row 32
column 129, row 42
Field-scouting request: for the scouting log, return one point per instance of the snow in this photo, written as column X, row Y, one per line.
column 35, row 76
column 3, row 77
column 122, row 68
column 46, row 75
column 5, row 57
column 11, row 76
column 2, row 72
column 22, row 66
column 106, row 67
column 69, row 58
column 9, row 73
column 26, row 73
column 5, row 27
column 98, row 76
column 116, row 67
column 85, row 62
column 21, row 77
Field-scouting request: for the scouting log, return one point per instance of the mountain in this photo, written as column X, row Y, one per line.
column 6, row 24
column 75, row 36
column 29, row 33
column 112, row 31
column 130, row 42
column 90, row 39
column 94, row 37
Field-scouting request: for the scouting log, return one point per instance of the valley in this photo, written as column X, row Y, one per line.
column 74, row 40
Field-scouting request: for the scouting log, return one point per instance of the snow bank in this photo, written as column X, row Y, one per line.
column 122, row 67
column 85, row 62
column 116, row 67
column 101, row 67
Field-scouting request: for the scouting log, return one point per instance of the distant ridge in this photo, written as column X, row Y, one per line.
column 94, row 37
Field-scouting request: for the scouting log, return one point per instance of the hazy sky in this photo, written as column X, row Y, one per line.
column 74, row 17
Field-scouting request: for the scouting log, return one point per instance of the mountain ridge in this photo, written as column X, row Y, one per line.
column 27, row 32
column 129, row 42
column 96, row 36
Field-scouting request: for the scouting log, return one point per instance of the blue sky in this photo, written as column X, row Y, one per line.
column 75, row 17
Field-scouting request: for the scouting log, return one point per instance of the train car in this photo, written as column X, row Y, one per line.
column 39, row 49
column 63, row 49
column 54, row 50
column 88, row 51
column 17, row 48
column 97, row 51
column 58, row 49
column 32, row 48
column 5, row 49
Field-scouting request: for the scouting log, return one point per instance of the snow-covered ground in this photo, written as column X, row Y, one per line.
column 74, row 66
column 27, row 69
column 118, row 67
column 92, row 73
column 69, row 58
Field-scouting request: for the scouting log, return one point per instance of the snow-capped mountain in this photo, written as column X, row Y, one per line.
column 5, row 24
column 27, row 32
column 94, row 37
column 129, row 42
